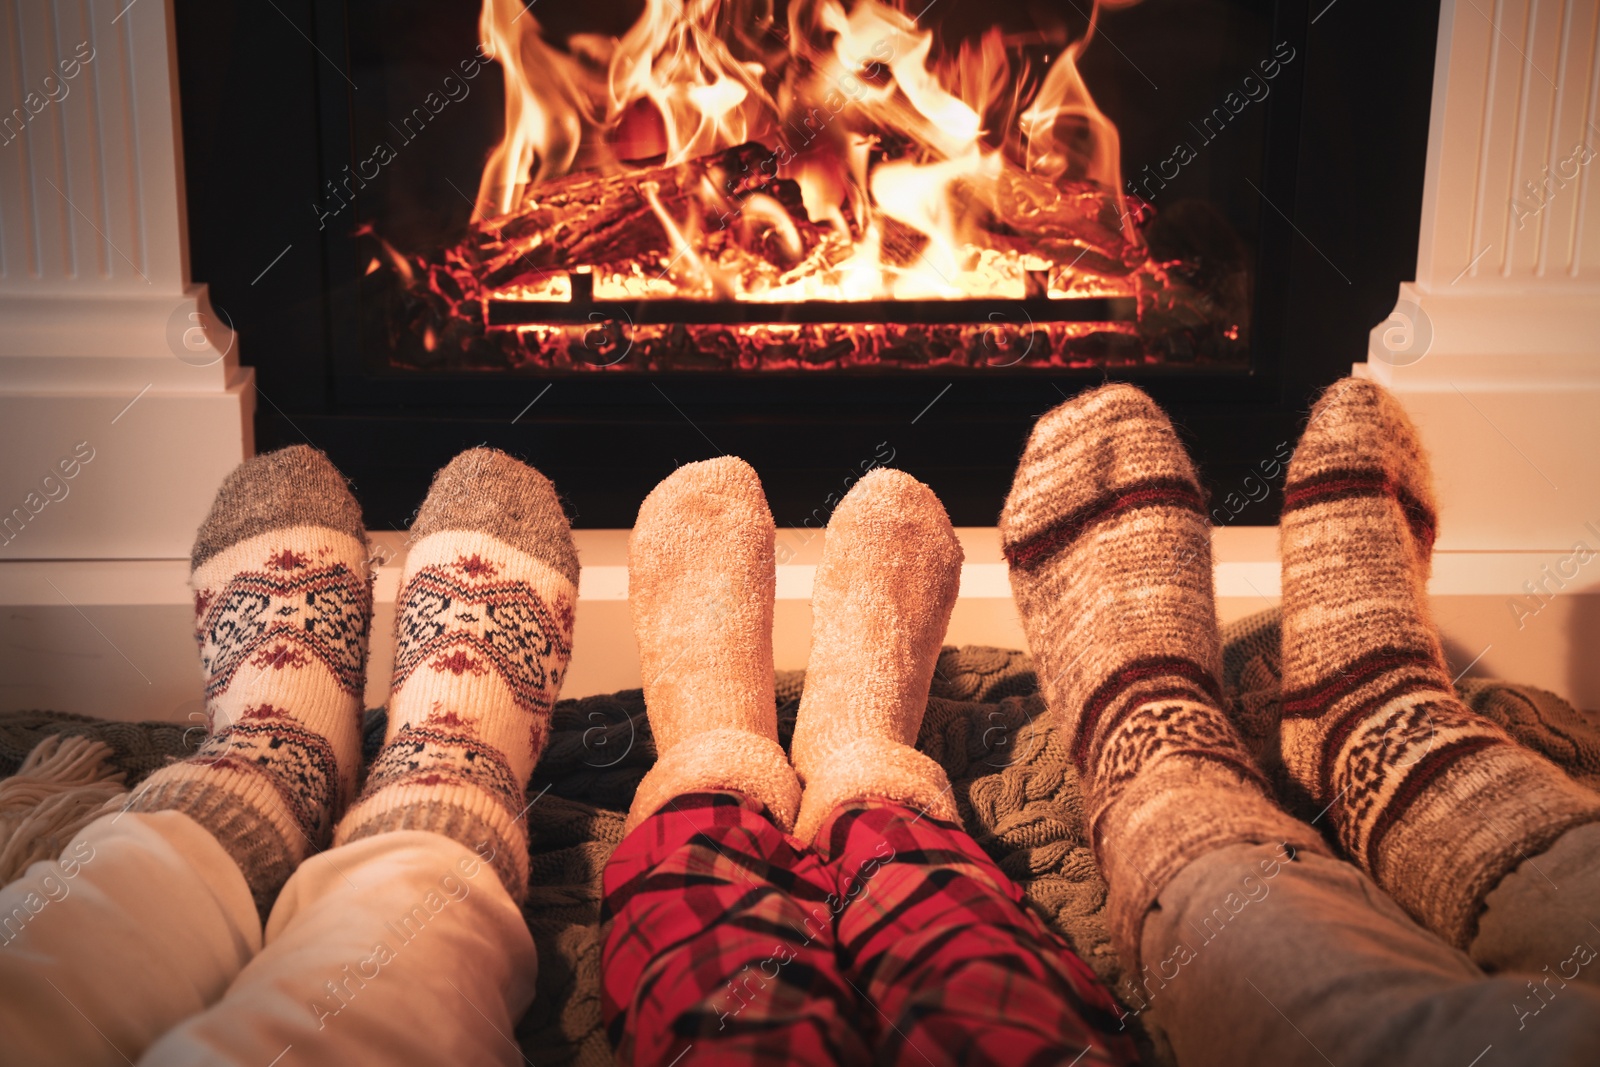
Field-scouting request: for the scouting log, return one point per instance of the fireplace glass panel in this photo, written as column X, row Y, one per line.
column 746, row 188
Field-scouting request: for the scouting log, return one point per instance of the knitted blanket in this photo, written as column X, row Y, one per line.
column 1018, row 795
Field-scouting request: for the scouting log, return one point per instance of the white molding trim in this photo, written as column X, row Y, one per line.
column 1494, row 350
column 164, row 582
column 106, row 348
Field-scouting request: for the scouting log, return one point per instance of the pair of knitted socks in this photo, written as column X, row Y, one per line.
column 1110, row 555
column 701, row 579
column 283, row 608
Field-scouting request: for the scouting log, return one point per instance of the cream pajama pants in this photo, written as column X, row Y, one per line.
column 142, row 945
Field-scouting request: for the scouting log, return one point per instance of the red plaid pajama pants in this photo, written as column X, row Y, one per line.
column 897, row 940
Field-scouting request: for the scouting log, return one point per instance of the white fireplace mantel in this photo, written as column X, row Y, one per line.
column 107, row 351
column 1495, row 348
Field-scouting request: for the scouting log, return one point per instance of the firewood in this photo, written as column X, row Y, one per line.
column 1073, row 224
column 598, row 220
column 606, row 222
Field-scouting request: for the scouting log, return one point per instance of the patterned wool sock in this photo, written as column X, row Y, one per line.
column 483, row 633
column 1110, row 555
column 282, row 610
column 1435, row 801
column 701, row 582
column 890, row 570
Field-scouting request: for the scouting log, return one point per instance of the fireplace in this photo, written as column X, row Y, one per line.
column 113, row 351
column 620, row 236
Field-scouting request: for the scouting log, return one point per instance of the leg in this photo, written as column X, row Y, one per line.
column 1436, row 802
column 939, row 942
column 881, row 602
column 376, row 944
column 1110, row 560
column 483, row 636
column 282, row 608
column 83, row 939
column 1307, row 958
column 701, row 585
column 400, row 947
column 282, row 611
column 720, row 943
column 708, row 946
column 1544, row 917
column 931, row 933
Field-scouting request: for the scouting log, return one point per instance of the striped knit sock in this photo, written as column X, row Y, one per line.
column 282, row 610
column 1435, row 801
column 483, row 634
column 701, row 584
column 1110, row 555
column 882, row 601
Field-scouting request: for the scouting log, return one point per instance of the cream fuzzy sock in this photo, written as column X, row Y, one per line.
column 482, row 640
column 700, row 579
column 1110, row 554
column 1435, row 801
column 282, row 611
column 891, row 567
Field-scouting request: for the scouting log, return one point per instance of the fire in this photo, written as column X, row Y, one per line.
column 710, row 152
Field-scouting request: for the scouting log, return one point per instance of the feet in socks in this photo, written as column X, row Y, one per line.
column 701, row 583
column 482, row 638
column 1436, row 802
column 1110, row 559
column 890, row 570
column 282, row 613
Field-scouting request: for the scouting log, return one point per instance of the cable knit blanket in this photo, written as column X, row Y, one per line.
column 986, row 724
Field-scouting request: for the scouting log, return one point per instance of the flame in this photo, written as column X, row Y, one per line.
column 922, row 109
column 921, row 196
column 1064, row 99
column 900, row 156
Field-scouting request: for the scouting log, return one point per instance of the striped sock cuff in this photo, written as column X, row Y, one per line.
column 462, row 812
column 243, row 809
column 1465, row 818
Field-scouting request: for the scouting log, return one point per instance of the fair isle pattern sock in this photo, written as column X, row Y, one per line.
column 884, row 591
column 1110, row 558
column 482, row 638
column 1435, row 801
column 701, row 581
column 282, row 610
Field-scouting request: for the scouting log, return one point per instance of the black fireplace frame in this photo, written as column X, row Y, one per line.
column 260, row 85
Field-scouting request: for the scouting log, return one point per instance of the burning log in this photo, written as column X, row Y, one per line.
column 1072, row 224
column 594, row 220
column 607, row 221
